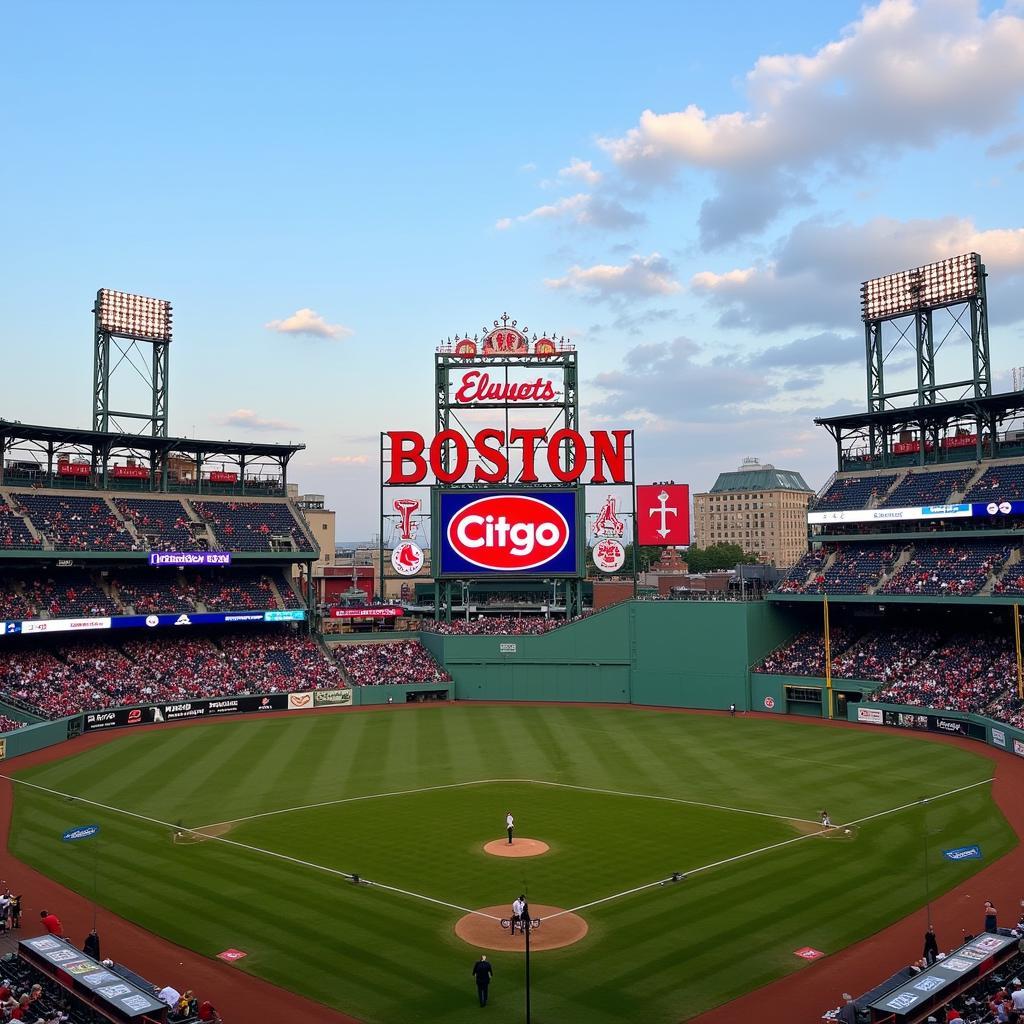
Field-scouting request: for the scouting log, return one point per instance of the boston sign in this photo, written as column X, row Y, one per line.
column 569, row 456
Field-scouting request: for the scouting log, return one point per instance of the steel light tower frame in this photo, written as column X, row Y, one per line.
column 899, row 310
column 122, row 323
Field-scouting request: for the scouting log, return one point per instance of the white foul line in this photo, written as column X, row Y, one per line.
column 506, row 782
column 245, row 846
column 765, row 849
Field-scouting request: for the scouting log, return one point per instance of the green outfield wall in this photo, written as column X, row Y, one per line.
column 694, row 654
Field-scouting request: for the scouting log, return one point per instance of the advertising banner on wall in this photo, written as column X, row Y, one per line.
column 115, row 718
column 178, row 620
column 332, row 698
column 521, row 533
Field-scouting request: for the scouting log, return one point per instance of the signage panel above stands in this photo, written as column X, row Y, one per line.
column 971, row 510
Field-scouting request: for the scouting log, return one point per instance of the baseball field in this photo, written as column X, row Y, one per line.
column 244, row 836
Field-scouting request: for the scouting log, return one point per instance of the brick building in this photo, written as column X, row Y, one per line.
column 758, row 507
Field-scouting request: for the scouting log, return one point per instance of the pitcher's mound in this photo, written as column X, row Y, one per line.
column 519, row 848
column 553, row 933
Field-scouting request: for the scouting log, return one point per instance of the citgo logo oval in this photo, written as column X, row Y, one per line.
column 508, row 532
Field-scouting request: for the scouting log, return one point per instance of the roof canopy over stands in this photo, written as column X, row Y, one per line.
column 69, row 457
column 986, row 427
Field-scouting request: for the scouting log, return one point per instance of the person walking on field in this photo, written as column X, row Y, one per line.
column 931, row 946
column 517, row 914
column 826, row 821
column 482, row 971
column 510, row 823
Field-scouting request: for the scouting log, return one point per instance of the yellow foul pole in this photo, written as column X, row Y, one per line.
column 1016, row 630
column 828, row 657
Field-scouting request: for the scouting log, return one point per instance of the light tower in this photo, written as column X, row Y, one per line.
column 125, row 322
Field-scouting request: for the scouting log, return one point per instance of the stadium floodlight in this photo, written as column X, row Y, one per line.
column 957, row 279
column 133, row 316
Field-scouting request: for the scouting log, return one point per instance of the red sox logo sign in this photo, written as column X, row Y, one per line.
column 508, row 532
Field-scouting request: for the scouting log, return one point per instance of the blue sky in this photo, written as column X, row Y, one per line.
column 692, row 193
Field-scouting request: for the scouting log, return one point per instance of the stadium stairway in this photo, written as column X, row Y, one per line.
column 958, row 496
column 878, row 499
column 904, row 557
column 274, row 591
column 1014, row 559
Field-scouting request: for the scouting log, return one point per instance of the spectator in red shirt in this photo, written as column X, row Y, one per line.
column 51, row 922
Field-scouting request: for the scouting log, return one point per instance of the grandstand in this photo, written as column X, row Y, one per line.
column 916, row 542
column 79, row 520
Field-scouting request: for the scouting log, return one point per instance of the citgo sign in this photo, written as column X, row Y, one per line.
column 520, row 533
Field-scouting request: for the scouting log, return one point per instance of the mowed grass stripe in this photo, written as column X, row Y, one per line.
column 660, row 955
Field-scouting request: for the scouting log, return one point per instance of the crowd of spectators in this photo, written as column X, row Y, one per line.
column 850, row 492
column 1004, row 482
column 67, row 593
column 8, row 724
column 959, row 674
column 237, row 590
column 14, row 534
column 854, row 569
column 797, row 577
column 76, row 675
column 1012, row 582
column 919, row 666
column 252, row 525
column 928, row 487
column 279, row 661
column 146, row 591
column 12, row 602
column 162, row 523
column 804, row 655
column 71, row 593
column 77, row 523
column 389, row 662
column 942, row 568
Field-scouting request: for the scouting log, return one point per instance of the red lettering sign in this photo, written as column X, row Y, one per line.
column 73, row 468
column 218, row 476
column 663, row 514
column 568, row 454
column 130, row 472
column 477, row 386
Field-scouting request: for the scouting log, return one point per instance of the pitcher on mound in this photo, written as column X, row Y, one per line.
column 510, row 824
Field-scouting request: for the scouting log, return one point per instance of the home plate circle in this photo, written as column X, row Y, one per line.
column 517, row 848
column 485, row 932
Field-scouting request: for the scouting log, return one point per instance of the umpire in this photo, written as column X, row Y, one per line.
column 482, row 971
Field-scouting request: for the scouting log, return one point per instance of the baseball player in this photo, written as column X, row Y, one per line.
column 509, row 825
column 518, row 905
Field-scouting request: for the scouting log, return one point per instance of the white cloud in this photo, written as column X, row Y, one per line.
column 641, row 277
column 581, row 169
column 815, row 276
column 247, row 418
column 583, row 210
column 906, row 75
column 307, row 321
column 350, row 460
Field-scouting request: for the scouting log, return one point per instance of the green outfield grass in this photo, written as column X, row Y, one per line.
column 660, row 955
